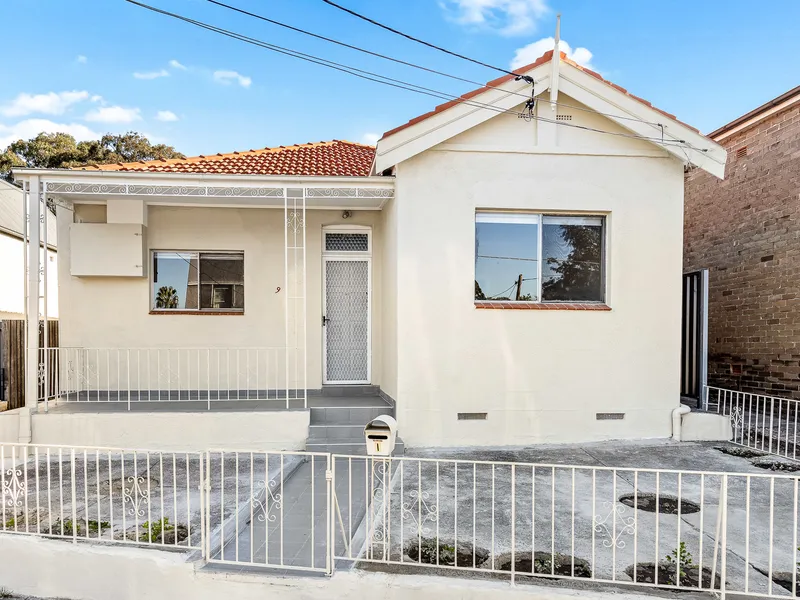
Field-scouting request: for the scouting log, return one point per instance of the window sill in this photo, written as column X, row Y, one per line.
column 204, row 313
column 542, row 305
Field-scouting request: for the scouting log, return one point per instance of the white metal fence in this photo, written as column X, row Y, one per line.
column 659, row 528
column 712, row 531
column 103, row 494
column 765, row 423
column 202, row 375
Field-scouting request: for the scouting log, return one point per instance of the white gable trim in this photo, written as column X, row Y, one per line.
column 574, row 82
column 447, row 124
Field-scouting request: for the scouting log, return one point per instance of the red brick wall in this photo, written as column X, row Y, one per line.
column 746, row 230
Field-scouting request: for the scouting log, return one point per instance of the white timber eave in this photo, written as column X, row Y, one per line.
column 206, row 189
column 636, row 117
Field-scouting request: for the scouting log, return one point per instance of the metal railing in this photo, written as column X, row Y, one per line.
column 103, row 494
column 728, row 533
column 271, row 509
column 659, row 528
column 764, row 423
column 201, row 375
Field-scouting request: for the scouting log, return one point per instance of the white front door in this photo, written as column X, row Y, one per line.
column 346, row 310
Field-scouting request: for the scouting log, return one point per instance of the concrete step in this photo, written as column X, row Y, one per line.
column 353, row 433
column 343, row 415
column 350, row 390
column 347, row 447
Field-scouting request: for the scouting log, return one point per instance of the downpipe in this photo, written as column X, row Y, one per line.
column 677, row 418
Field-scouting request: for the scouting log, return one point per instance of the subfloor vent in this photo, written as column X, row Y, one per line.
column 472, row 416
column 563, row 117
column 609, row 416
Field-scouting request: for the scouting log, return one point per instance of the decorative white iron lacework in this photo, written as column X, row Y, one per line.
column 420, row 506
column 264, row 500
column 208, row 191
column 295, row 221
column 380, row 519
column 605, row 525
column 136, row 496
column 41, row 374
column 86, row 376
column 346, row 242
column 737, row 420
column 349, row 192
column 13, row 488
column 163, row 190
column 347, row 328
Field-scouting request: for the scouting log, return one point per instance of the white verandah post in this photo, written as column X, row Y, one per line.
column 33, row 217
column 295, row 317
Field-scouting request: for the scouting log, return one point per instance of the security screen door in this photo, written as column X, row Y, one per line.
column 346, row 317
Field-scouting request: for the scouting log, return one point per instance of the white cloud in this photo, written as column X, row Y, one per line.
column 228, row 77
column 152, row 74
column 507, row 17
column 528, row 54
column 113, row 114
column 30, row 128
column 166, row 116
column 81, row 59
column 370, row 138
column 52, row 103
column 96, row 98
column 176, row 65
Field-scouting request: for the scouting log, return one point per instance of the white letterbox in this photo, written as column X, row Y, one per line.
column 380, row 434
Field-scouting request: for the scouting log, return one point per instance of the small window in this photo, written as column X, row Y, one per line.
column 346, row 242
column 524, row 257
column 201, row 281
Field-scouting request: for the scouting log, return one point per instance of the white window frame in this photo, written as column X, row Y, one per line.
column 509, row 216
column 353, row 255
column 198, row 253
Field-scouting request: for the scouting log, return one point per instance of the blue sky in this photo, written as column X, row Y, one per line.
column 106, row 66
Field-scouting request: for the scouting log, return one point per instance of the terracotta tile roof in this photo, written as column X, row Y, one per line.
column 545, row 58
column 335, row 159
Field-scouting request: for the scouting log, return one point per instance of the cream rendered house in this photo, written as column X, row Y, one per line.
column 495, row 273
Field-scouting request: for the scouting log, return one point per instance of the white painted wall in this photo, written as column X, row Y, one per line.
column 50, row 568
column 12, row 276
column 540, row 375
column 114, row 312
column 195, row 431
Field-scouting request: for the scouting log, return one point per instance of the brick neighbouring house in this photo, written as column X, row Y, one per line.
column 746, row 230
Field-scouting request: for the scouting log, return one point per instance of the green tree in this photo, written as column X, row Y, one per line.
column 578, row 275
column 61, row 151
column 167, row 297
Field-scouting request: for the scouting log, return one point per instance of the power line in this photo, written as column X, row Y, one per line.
column 415, row 65
column 419, row 41
column 385, row 80
column 350, row 46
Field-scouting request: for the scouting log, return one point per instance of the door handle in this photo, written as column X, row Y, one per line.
column 325, row 320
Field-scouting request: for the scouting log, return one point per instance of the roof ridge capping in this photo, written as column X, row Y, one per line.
column 543, row 59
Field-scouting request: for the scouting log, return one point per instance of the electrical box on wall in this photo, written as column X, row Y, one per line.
column 108, row 250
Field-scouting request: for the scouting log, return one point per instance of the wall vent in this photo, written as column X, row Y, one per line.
column 741, row 152
column 472, row 416
column 563, row 117
column 609, row 416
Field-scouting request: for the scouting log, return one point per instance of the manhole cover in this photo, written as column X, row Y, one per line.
column 664, row 504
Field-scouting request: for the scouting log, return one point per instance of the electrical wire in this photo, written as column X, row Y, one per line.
column 415, row 65
column 383, row 79
column 419, row 41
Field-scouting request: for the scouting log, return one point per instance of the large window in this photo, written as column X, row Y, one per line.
column 525, row 257
column 201, row 281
